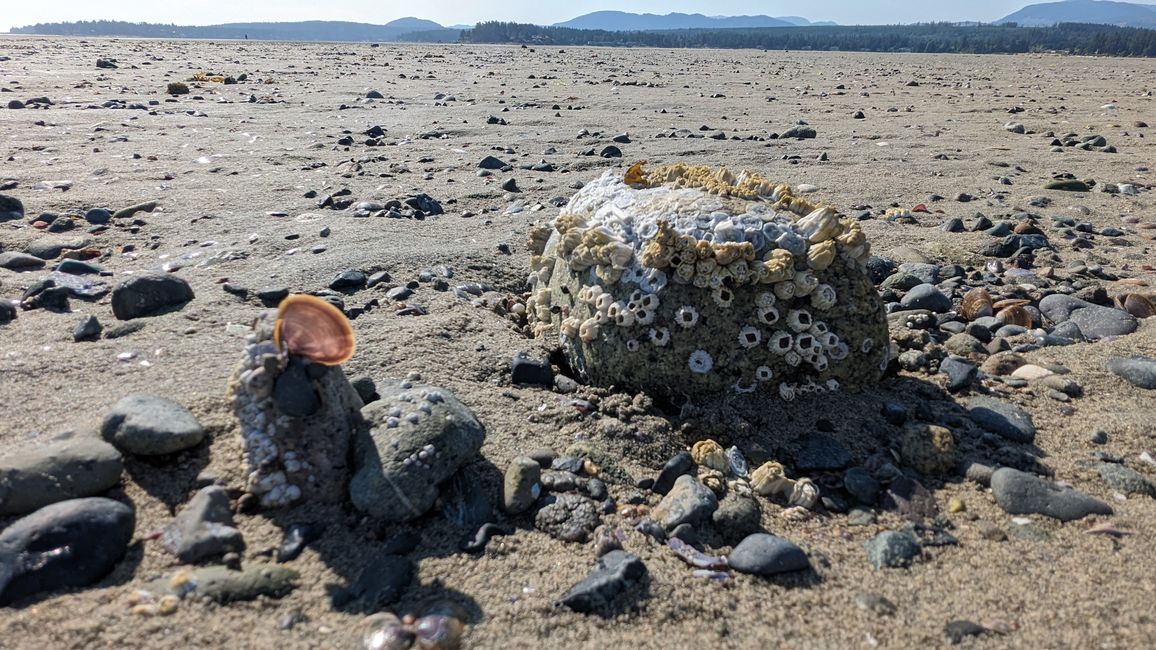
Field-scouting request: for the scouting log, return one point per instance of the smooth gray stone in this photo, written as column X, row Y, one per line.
column 614, row 574
column 36, row 475
column 1020, row 493
column 767, row 555
column 1126, row 480
column 1138, row 371
column 926, row 296
column 149, row 294
column 822, row 452
column 1007, row 420
column 737, row 516
column 688, row 502
column 521, row 486
column 891, row 549
column 203, row 529
column 1094, row 321
column 149, row 425
column 14, row 261
column 50, row 248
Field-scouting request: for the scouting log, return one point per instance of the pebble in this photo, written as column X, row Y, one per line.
column 132, row 210
column 961, row 373
column 1138, row 371
column 861, row 486
column 737, row 516
column 521, row 486
column 221, row 584
column 1020, row 493
column 397, row 469
column 689, row 501
column 293, row 390
column 88, row 329
column 72, row 543
column 98, row 216
column 71, row 466
column 529, row 371
column 568, row 517
column 11, row 208
column 1007, row 420
column 295, row 538
column 874, row 602
column 149, row 294
column 822, row 452
column 956, row 631
column 49, row 248
column 767, row 555
column 149, row 425
column 7, row 311
column 1126, row 480
column 203, row 529
column 800, row 132
column 926, row 296
column 1094, row 321
column 928, row 448
column 14, row 261
column 891, row 549
column 681, row 463
column 348, row 280
column 604, row 591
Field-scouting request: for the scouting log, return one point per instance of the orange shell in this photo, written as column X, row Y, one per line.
column 1014, row 315
column 976, row 303
column 310, row 327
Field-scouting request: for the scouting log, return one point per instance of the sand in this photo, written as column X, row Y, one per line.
column 218, row 176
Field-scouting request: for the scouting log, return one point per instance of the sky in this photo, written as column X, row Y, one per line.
column 452, row 12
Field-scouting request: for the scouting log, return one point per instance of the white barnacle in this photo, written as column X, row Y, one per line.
column 804, row 345
column 768, row 315
column 786, row 391
column 686, row 316
column 765, row 299
column 742, row 389
column 784, row 290
column 819, row 362
column 700, row 362
column 659, row 336
column 839, row 351
column 632, row 345
column 589, row 330
column 828, row 340
column 723, row 297
column 603, row 302
column 805, row 283
column 804, row 494
column 655, row 281
column 823, row 297
column 619, row 314
column 780, row 342
column 750, row 336
column 799, row 320
column 832, row 385
column 764, row 373
column 866, row 345
column 644, row 317
column 793, row 358
column 648, row 302
column 584, row 294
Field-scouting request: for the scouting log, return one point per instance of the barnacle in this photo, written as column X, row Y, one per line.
column 659, row 336
column 750, row 336
column 820, row 256
column 723, row 297
column 714, row 480
column 768, row 315
column 589, row 330
column 784, row 290
column 805, row 283
column 823, row 297
column 799, row 320
column 764, row 373
column 310, row 327
column 770, row 478
column 709, row 453
column 820, row 225
column 804, row 494
column 686, row 316
column 780, row 342
column 700, row 362
column 764, row 299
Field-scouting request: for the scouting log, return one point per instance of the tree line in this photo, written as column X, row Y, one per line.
column 1071, row 38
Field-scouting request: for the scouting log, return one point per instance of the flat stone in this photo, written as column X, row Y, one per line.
column 681, row 463
column 529, row 371
column 1007, row 420
column 203, row 529
column 72, row 543
column 891, row 549
column 14, row 261
column 38, row 474
column 1094, row 321
column 50, row 248
column 417, row 436
column 1020, row 493
column 926, row 296
column 1126, row 480
column 224, row 585
column 149, row 294
column 960, row 373
column 767, row 555
column 605, row 589
column 149, row 425
column 688, row 502
column 11, row 208
column 1138, row 371
column 822, row 452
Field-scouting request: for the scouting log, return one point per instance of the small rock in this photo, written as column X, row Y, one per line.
column 521, row 487
column 14, row 261
column 149, row 294
column 224, row 585
column 381, row 582
column 891, row 549
column 296, row 538
column 680, row 464
column 1127, row 480
column 35, row 475
column 348, row 280
column 203, row 529
column 737, row 516
column 569, row 517
column 926, row 296
column 956, row 631
column 1020, row 493
column 148, row 425
column 1007, row 420
column 861, row 486
column 822, row 452
column 11, row 208
column 1138, row 371
column 767, row 555
column 874, row 602
column 603, row 591
column 88, row 329
column 689, row 501
column 928, row 448
column 527, row 370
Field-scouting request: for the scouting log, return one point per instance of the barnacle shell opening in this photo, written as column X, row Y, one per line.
column 684, row 280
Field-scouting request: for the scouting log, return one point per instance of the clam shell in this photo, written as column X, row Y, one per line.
column 976, row 304
column 310, row 327
column 1014, row 315
column 1010, row 302
column 1138, row 305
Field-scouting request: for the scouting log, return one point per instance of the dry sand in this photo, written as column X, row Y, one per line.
column 217, row 176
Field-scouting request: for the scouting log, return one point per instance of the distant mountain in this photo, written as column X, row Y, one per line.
column 1123, row 14
column 314, row 30
column 803, row 22
column 621, row 21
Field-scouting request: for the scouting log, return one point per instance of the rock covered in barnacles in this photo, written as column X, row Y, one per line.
column 690, row 280
column 297, row 418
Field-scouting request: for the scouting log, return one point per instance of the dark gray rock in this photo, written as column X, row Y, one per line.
column 293, row 390
column 148, row 425
column 88, row 329
column 149, row 294
column 130, row 211
column 381, row 582
column 348, row 280
column 1127, row 480
column 1007, row 420
column 1094, row 321
column 98, row 216
column 297, row 537
column 490, row 162
column 822, row 452
column 1020, row 493
column 14, row 261
column 203, row 529
column 11, row 208
column 767, row 555
column 604, row 591
column 50, row 248
column 681, row 463
column 527, row 370
column 891, row 549
column 416, row 437
column 1138, row 371
column 801, row 132
column 961, row 373
column 861, row 486
column 69, row 467
column 926, row 296
column 72, row 543
column 688, row 502
column 610, row 151
column 737, row 516
column 957, row 631
column 568, row 517
column 7, row 311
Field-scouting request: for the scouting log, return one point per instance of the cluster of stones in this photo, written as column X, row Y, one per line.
column 685, row 279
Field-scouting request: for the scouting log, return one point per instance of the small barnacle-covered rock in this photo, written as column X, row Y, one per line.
column 414, row 438
column 296, row 408
column 686, row 280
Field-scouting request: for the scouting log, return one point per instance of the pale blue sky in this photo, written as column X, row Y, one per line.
column 448, row 12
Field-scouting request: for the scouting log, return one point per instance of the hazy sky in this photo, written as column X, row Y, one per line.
column 450, row 12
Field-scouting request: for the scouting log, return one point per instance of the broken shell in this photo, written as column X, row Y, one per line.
column 1014, row 315
column 310, row 327
column 770, row 478
column 709, row 453
column 1010, row 302
column 804, row 493
column 714, row 481
column 1136, row 304
column 976, row 304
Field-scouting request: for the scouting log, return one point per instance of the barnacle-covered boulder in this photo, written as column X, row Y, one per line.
column 297, row 417
column 687, row 280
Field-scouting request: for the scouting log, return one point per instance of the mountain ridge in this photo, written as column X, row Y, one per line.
column 1102, row 12
column 622, row 21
